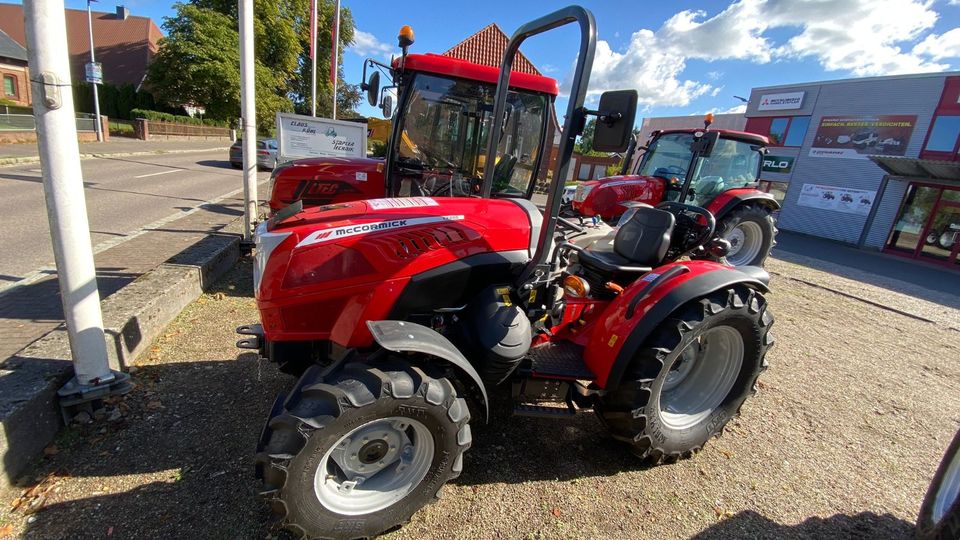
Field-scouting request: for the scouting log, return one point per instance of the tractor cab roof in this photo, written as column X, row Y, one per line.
column 453, row 67
column 744, row 136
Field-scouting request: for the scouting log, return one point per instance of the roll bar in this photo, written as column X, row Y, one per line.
column 572, row 128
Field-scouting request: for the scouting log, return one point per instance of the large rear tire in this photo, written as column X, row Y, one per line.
column 751, row 231
column 939, row 517
column 358, row 452
column 691, row 376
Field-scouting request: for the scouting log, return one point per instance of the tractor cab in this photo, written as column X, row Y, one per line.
column 438, row 136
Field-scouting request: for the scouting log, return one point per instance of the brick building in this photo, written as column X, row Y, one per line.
column 14, row 71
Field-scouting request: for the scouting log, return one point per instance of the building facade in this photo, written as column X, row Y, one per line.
column 14, row 73
column 829, row 161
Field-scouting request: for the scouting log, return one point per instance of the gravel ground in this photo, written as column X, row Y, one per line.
column 841, row 441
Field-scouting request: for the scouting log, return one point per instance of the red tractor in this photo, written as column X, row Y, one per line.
column 714, row 169
column 438, row 138
column 401, row 314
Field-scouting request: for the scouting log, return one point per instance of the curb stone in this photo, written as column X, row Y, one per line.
column 11, row 161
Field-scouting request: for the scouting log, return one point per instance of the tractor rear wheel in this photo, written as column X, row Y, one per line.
column 691, row 376
column 939, row 517
column 355, row 453
column 751, row 231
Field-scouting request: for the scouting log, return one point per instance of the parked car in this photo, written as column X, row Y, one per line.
column 267, row 151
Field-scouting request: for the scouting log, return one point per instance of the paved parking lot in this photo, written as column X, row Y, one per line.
column 850, row 421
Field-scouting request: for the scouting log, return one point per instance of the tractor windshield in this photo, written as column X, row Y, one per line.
column 733, row 164
column 444, row 131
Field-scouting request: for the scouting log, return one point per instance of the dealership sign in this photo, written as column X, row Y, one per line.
column 849, row 201
column 307, row 136
column 781, row 102
column 777, row 164
column 857, row 137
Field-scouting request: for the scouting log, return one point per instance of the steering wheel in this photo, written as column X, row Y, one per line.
column 694, row 233
column 409, row 166
column 461, row 188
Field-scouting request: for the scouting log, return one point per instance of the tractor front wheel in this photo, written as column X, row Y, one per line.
column 691, row 376
column 355, row 453
column 751, row 231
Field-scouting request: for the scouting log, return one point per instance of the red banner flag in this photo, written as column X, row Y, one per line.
column 313, row 28
column 335, row 35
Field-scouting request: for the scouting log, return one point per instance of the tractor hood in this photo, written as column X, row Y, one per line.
column 320, row 181
column 356, row 259
column 602, row 197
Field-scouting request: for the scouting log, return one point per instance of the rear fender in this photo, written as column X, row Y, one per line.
column 402, row 336
column 631, row 318
column 724, row 203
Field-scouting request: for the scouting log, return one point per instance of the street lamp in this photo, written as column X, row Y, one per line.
column 93, row 74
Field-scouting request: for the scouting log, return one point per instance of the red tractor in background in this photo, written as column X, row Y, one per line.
column 400, row 315
column 438, row 139
column 714, row 169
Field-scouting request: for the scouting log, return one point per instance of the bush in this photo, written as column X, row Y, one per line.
column 157, row 116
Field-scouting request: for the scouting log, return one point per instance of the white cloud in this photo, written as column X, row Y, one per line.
column 860, row 37
column 941, row 46
column 549, row 68
column 366, row 44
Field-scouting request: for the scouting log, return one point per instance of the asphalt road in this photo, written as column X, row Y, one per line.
column 123, row 195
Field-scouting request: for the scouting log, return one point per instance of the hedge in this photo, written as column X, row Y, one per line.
column 158, row 116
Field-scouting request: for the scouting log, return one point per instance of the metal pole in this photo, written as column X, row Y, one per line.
column 63, row 188
column 335, row 54
column 313, row 58
column 248, row 114
column 96, row 98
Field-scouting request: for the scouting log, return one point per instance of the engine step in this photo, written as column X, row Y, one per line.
column 562, row 360
column 542, row 411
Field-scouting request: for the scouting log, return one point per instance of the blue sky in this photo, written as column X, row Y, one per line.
column 683, row 57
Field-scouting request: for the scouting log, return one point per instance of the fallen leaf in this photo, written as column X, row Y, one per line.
column 555, row 512
column 155, row 405
column 51, row 450
column 110, row 531
column 6, row 529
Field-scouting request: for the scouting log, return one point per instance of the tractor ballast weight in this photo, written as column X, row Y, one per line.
column 401, row 313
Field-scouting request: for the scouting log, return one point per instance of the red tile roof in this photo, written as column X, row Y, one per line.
column 123, row 46
column 486, row 47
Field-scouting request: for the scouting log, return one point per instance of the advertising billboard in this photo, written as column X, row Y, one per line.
column 857, row 137
column 307, row 136
column 849, row 201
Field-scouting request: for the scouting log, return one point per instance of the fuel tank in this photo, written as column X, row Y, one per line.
column 602, row 197
column 322, row 273
column 320, row 181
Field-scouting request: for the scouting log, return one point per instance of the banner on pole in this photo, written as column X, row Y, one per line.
column 335, row 35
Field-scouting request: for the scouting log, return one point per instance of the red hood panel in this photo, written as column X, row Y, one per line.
column 605, row 194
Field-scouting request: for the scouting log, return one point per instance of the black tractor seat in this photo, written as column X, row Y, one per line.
column 639, row 245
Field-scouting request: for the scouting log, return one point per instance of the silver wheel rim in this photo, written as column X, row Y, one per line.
column 948, row 491
column 702, row 376
column 946, row 240
column 374, row 466
column 745, row 241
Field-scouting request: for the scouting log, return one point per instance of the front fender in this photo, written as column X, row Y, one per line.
column 730, row 199
column 628, row 320
column 403, row 336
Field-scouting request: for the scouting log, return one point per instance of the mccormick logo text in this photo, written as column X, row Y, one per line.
column 336, row 233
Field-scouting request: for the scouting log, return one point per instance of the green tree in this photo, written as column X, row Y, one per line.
column 199, row 62
column 584, row 145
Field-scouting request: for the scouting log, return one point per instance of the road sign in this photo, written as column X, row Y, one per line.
column 94, row 72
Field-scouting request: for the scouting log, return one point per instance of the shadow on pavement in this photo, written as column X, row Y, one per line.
column 865, row 525
column 925, row 281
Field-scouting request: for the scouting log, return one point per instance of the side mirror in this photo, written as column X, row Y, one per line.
column 373, row 88
column 387, row 106
column 618, row 110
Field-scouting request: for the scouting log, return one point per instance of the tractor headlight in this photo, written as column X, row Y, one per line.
column 265, row 243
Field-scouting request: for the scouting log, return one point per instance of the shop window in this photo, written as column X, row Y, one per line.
column 584, row 173
column 788, row 130
column 10, row 86
column 777, row 189
column 943, row 136
column 916, row 209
